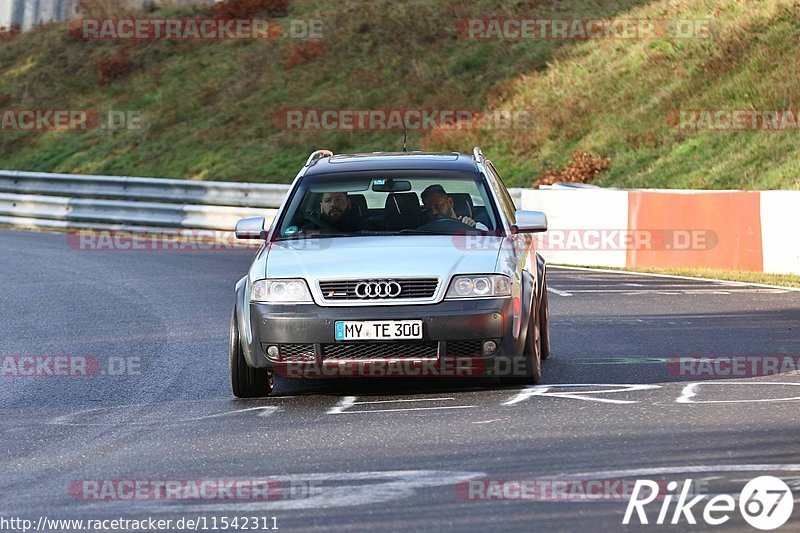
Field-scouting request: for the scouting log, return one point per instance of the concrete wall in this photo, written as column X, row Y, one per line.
column 28, row 13
column 728, row 230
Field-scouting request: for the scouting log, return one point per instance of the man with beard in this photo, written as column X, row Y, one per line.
column 335, row 213
column 440, row 208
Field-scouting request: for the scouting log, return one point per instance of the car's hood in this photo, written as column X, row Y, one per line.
column 380, row 257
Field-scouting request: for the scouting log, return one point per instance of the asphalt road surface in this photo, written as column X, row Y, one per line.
column 385, row 454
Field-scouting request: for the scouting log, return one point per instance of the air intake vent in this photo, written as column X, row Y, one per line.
column 379, row 289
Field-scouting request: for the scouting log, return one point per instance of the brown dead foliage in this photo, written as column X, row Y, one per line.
column 112, row 68
column 303, row 53
column 10, row 33
column 583, row 169
column 235, row 9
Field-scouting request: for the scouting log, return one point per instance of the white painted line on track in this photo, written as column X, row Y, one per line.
column 405, row 400
column 689, row 392
column 672, row 276
column 349, row 401
column 559, row 292
column 343, row 404
column 676, row 291
column 651, row 283
column 68, row 419
column 370, row 411
column 693, row 469
column 545, row 390
column 263, row 412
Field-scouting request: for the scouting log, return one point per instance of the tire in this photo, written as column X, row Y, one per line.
column 246, row 382
column 533, row 353
column 544, row 323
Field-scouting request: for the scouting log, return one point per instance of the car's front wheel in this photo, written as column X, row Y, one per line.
column 246, row 382
column 544, row 323
column 533, row 352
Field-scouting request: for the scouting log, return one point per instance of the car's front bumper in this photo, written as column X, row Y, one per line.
column 304, row 334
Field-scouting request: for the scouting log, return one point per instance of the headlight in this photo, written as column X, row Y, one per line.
column 486, row 286
column 280, row 291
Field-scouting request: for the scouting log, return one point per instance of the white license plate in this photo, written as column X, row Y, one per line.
column 378, row 330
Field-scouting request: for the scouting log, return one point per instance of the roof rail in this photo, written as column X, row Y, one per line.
column 318, row 154
column 477, row 155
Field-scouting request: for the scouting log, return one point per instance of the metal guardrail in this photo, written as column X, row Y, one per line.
column 143, row 189
column 65, row 201
column 74, row 201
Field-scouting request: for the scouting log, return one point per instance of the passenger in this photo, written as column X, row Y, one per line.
column 439, row 206
column 335, row 213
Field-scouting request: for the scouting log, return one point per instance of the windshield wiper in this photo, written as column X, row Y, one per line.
column 360, row 232
column 420, row 232
column 365, row 233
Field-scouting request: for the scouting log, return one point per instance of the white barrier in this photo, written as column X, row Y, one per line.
column 780, row 231
column 727, row 230
column 572, row 213
column 29, row 13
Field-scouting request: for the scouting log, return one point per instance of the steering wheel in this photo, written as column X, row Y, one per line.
column 447, row 224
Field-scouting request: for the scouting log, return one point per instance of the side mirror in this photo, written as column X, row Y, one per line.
column 251, row 228
column 530, row 222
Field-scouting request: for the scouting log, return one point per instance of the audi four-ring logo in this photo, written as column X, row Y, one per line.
column 378, row 289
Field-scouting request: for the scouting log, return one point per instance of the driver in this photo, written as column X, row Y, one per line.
column 335, row 211
column 439, row 205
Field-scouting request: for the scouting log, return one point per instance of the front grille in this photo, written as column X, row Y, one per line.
column 297, row 352
column 464, row 348
column 380, row 350
column 414, row 289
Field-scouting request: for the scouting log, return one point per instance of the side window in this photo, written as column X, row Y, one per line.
column 506, row 202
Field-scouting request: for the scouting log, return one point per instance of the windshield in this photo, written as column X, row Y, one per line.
column 389, row 203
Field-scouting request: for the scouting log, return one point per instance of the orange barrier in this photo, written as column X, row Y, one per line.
column 702, row 229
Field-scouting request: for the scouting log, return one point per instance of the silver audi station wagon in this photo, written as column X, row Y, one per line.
column 389, row 264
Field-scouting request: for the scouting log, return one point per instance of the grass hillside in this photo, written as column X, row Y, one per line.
column 208, row 107
column 618, row 99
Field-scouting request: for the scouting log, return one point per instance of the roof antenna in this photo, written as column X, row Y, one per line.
column 405, row 135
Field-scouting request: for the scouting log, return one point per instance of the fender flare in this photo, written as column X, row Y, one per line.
column 531, row 296
column 527, row 301
column 240, row 304
column 541, row 272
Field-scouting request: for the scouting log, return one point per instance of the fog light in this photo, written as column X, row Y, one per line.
column 489, row 347
column 272, row 351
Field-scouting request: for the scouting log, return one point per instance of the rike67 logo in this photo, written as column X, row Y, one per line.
column 766, row 503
